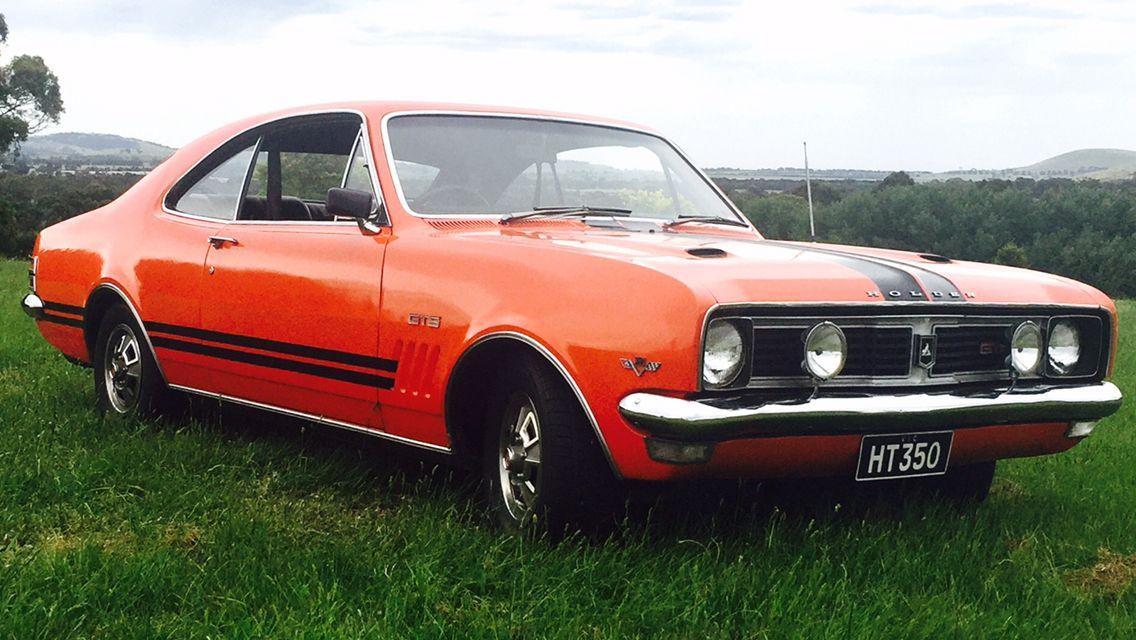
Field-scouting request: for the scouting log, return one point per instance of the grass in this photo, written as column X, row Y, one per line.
column 234, row 527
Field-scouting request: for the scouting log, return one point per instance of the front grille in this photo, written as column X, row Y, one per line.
column 872, row 351
column 971, row 349
column 878, row 351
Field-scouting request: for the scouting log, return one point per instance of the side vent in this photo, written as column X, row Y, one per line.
column 706, row 252
column 416, row 369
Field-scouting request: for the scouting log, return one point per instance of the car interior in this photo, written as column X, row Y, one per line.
column 295, row 166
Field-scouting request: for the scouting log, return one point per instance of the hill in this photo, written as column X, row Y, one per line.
column 1097, row 164
column 92, row 149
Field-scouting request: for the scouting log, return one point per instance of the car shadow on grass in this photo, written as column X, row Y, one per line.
column 693, row 509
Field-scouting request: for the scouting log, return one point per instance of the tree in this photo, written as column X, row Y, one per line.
column 1011, row 255
column 897, row 179
column 29, row 96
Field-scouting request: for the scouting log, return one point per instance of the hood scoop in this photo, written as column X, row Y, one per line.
column 934, row 257
column 707, row 252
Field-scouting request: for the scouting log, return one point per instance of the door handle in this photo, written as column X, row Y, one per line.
column 220, row 241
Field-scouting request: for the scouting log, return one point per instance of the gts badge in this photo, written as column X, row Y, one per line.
column 639, row 365
column 422, row 320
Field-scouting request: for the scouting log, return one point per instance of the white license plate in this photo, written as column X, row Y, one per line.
column 904, row 455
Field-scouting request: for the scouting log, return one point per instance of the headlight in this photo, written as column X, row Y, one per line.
column 1064, row 347
column 723, row 354
column 826, row 349
column 1025, row 348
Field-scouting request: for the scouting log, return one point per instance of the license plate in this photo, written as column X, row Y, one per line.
column 904, row 455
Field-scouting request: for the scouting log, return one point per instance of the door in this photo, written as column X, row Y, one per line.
column 291, row 296
column 170, row 269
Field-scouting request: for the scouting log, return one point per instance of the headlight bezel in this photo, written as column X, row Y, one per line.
column 739, row 375
column 1022, row 329
column 1093, row 341
column 833, row 330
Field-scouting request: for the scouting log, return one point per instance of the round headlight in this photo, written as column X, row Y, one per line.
column 722, row 355
column 1064, row 347
column 825, row 351
column 1025, row 348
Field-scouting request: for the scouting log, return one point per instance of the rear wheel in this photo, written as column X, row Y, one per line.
column 543, row 467
column 127, row 381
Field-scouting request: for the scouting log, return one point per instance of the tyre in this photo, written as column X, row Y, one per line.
column 544, row 469
column 127, row 381
column 966, row 484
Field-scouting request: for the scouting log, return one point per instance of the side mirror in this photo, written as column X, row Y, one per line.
column 352, row 203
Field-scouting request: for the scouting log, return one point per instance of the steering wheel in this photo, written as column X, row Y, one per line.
column 451, row 195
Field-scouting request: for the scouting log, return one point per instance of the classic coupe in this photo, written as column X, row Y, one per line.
column 565, row 302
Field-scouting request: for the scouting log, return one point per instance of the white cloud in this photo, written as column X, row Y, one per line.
column 882, row 85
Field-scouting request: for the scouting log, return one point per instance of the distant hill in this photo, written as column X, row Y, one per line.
column 1097, row 164
column 92, row 149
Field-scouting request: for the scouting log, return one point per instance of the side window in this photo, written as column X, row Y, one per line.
column 297, row 161
column 358, row 173
column 218, row 193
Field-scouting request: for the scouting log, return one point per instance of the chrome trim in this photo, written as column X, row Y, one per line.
column 676, row 417
column 530, row 116
column 32, row 306
column 920, row 324
column 548, row 355
column 267, row 121
column 137, row 319
column 321, row 420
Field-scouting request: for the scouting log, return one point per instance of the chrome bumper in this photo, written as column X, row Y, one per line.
column 33, row 306
column 697, row 420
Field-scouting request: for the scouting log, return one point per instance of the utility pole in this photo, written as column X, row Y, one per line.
column 809, row 191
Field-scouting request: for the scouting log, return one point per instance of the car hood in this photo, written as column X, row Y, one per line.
column 739, row 267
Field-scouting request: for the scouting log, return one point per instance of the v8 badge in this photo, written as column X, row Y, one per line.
column 639, row 365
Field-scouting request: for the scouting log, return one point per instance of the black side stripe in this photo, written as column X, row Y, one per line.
column 272, row 362
column 62, row 308
column 893, row 282
column 64, row 320
column 303, row 351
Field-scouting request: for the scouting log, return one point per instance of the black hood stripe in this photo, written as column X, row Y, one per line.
column 892, row 282
column 928, row 286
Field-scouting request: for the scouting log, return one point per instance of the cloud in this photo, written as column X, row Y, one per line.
column 873, row 85
column 972, row 11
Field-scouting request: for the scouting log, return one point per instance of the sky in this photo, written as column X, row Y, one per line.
column 870, row 84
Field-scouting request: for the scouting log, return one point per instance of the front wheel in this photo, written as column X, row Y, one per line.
column 127, row 381
column 543, row 466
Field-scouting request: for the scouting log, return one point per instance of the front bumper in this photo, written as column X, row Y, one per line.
column 697, row 420
column 33, row 306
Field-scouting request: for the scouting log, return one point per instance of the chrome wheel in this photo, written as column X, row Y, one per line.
column 518, row 460
column 122, row 369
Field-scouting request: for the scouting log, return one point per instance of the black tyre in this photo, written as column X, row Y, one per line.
column 127, row 381
column 543, row 467
column 966, row 484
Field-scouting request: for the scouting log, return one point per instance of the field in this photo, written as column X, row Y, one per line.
column 231, row 526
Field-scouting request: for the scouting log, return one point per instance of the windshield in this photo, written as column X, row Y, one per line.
column 447, row 164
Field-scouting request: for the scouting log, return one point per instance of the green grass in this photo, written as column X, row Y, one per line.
column 232, row 527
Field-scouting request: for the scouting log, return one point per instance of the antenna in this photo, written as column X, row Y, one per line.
column 809, row 191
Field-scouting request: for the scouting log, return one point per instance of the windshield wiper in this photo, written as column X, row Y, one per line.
column 707, row 219
column 564, row 212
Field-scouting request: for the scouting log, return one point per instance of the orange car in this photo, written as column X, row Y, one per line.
column 564, row 300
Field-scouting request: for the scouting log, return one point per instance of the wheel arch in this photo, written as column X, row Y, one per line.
column 466, row 389
column 99, row 301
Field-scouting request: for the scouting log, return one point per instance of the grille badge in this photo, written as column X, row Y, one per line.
column 925, row 351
